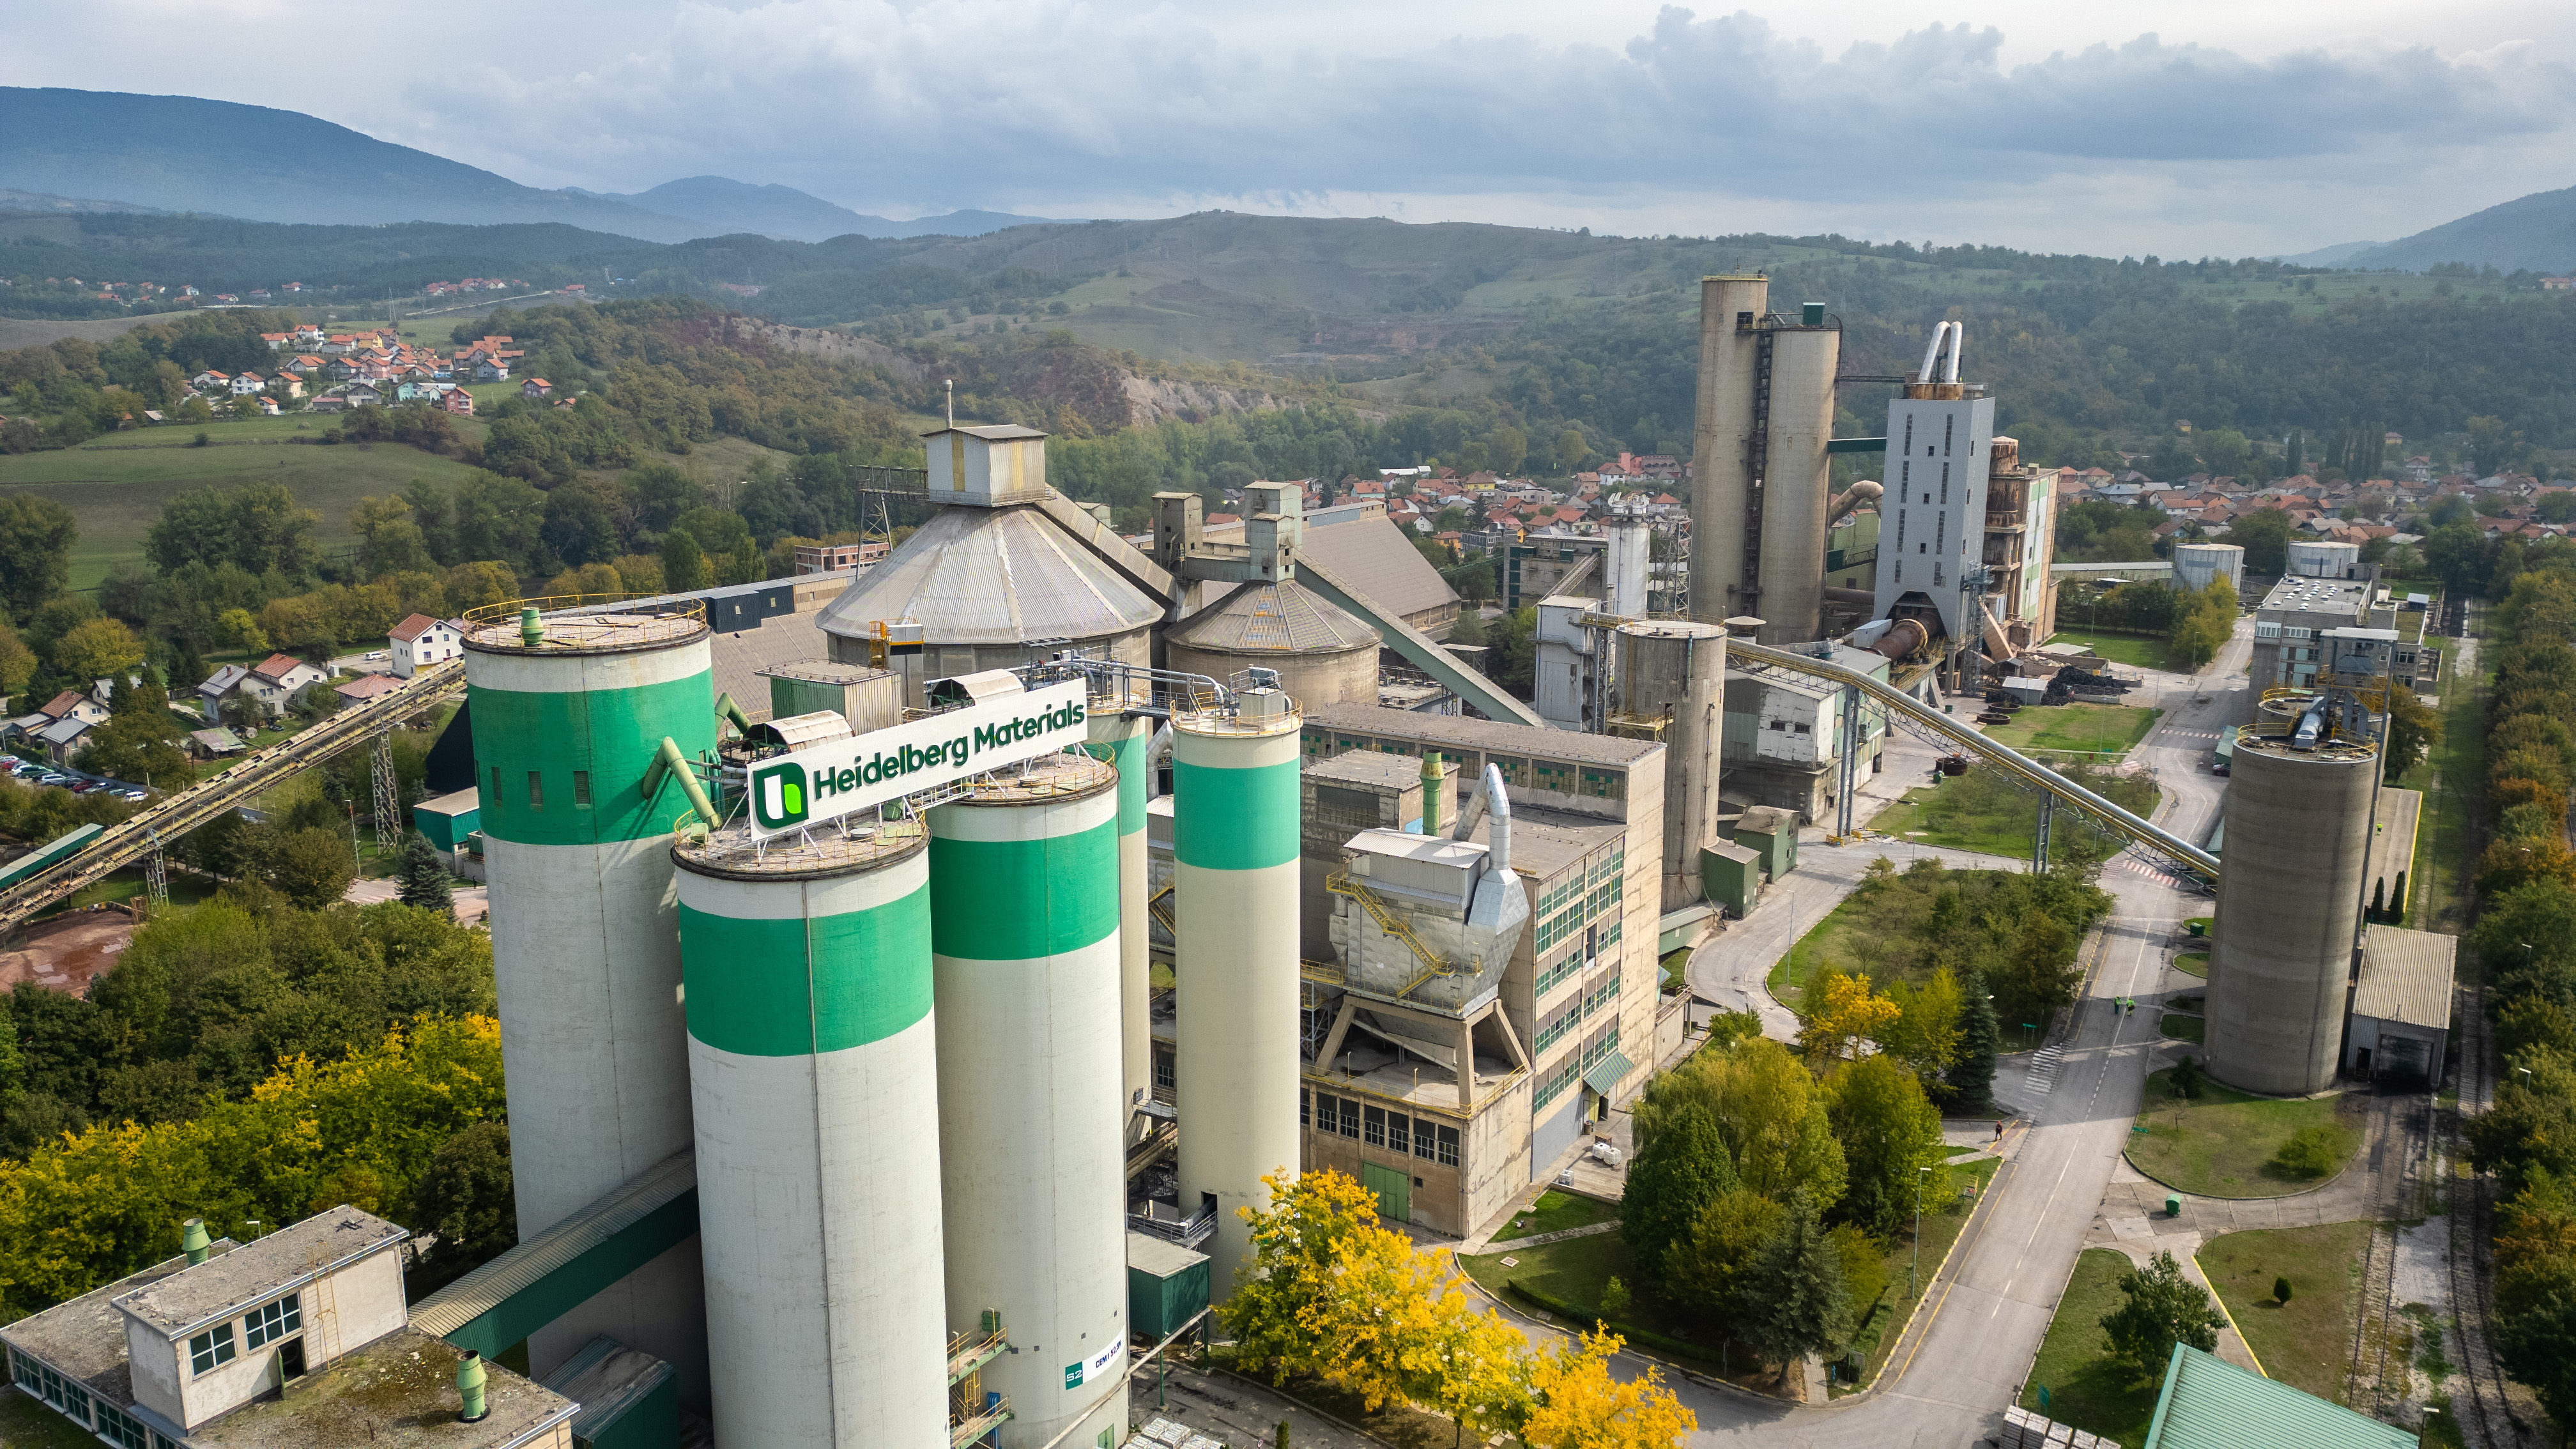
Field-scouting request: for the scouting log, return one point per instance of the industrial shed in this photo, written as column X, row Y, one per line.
column 2401, row 1012
column 2209, row 1403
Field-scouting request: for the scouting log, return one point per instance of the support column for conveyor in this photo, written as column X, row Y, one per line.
column 813, row 1067
column 1025, row 952
column 1120, row 739
column 569, row 716
column 1235, row 836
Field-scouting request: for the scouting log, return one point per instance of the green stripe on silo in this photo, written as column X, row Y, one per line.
column 610, row 734
column 750, row 992
column 1235, row 819
column 1127, row 753
column 1012, row 900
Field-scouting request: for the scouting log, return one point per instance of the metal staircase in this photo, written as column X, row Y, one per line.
column 1431, row 963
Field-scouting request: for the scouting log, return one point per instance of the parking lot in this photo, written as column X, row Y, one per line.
column 79, row 782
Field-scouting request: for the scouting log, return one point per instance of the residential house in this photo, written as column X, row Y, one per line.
column 421, row 640
column 492, row 369
column 361, row 395
column 535, row 388
column 219, row 684
column 214, row 744
column 276, row 680
column 365, row 687
column 276, row 340
column 211, row 381
column 72, row 704
column 63, row 738
column 457, row 401
column 248, row 384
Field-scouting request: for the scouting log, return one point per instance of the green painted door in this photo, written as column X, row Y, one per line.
column 1394, row 1191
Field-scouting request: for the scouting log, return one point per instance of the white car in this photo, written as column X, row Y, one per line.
column 379, row 655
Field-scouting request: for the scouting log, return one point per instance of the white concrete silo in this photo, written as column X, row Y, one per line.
column 1120, row 738
column 2196, row 565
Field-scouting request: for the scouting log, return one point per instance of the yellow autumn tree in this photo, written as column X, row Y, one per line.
column 1578, row 1405
column 1842, row 1011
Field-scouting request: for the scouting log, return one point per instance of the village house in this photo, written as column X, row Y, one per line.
column 420, row 640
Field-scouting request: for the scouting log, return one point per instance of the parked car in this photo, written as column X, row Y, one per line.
column 380, row 654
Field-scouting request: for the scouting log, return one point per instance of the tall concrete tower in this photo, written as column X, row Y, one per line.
column 1932, row 519
column 569, row 712
column 1120, row 738
column 1024, row 940
column 1759, row 477
column 1236, row 809
column 814, row 1070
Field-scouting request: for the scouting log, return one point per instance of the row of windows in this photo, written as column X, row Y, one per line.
column 1599, row 1052
column 1425, row 1138
column 1519, row 774
column 1566, row 1074
column 537, row 788
column 77, row 1404
column 262, row 1326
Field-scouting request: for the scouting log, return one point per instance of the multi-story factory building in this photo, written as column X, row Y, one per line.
column 2309, row 626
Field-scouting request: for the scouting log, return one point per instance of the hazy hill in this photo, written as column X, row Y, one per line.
column 182, row 153
column 2533, row 233
column 787, row 213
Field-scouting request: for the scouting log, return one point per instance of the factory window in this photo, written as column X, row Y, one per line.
column 1373, row 1130
column 115, row 1426
column 1949, row 428
column 581, row 788
column 1945, row 483
column 1802, row 729
column 1900, row 571
column 1447, row 1155
column 1909, row 433
column 211, row 1349
column 1399, row 1139
column 536, row 791
column 1922, row 548
column 1163, row 1067
column 1350, row 1118
column 1426, row 1137
column 1305, row 1107
column 1936, row 576
column 269, row 1323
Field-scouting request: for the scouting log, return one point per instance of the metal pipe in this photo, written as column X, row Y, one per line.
column 1932, row 352
column 731, row 712
column 1431, row 792
column 1865, row 491
column 670, row 758
column 469, row 1387
column 1498, row 810
column 1958, row 340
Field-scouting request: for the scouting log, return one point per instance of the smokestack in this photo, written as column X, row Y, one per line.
column 1498, row 808
column 1431, row 792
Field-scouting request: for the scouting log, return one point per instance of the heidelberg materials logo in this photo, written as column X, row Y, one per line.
column 778, row 796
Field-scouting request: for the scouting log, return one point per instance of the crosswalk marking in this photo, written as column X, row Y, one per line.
column 2043, row 1070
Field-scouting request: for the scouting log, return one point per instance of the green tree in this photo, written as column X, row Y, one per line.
column 1570, row 450
column 424, row 879
column 1679, row 1170
column 99, row 649
column 2264, row 534
column 1891, row 1138
column 1711, row 1268
column 2457, row 555
column 1972, row 1072
column 1509, row 448
column 2413, row 729
column 1797, row 1279
column 257, row 526
column 311, row 866
column 2538, row 1347
column 464, row 1197
column 17, row 661
column 1769, row 1109
column 684, row 568
column 2162, row 1308
column 36, row 538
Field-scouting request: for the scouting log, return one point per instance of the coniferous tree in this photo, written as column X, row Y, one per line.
column 1677, row 1174
column 424, row 879
column 1798, row 1282
column 2378, row 900
column 1972, row 1073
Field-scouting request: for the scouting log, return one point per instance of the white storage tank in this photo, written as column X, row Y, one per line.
column 2324, row 558
column 2195, row 565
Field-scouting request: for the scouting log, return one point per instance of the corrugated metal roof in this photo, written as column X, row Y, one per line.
column 742, row 661
column 1282, row 618
column 442, row 1313
column 2209, row 1403
column 1442, row 731
column 1376, row 557
column 992, row 576
column 2406, row 976
column 1149, row 1254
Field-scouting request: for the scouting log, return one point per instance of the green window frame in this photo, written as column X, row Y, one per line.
column 211, row 1349
column 271, row 1322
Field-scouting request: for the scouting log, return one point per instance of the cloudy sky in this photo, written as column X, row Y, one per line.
column 2182, row 128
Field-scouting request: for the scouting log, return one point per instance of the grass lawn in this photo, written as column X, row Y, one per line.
column 1978, row 812
column 26, row 1423
column 1575, row 1271
column 2140, row 651
column 2183, row 1028
column 2225, row 1139
column 1557, row 1211
column 2307, row 1342
column 2086, row 1386
column 186, row 889
column 2193, row 963
column 116, row 493
column 1829, row 939
column 2104, row 729
column 1942, row 1224
column 2449, row 776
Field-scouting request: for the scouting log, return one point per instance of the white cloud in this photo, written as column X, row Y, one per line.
column 1658, row 120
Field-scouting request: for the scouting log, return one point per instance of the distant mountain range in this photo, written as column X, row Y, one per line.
column 2534, row 233
column 284, row 166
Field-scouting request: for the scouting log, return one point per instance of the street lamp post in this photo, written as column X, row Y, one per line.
column 1912, row 1267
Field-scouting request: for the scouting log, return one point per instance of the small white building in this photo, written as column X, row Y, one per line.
column 421, row 640
column 276, row 680
column 2401, row 1010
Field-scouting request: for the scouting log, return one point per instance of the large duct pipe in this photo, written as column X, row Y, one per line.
column 1903, row 640
column 1932, row 352
column 1121, row 739
column 1865, row 491
column 1958, row 340
column 1862, row 597
column 1498, row 830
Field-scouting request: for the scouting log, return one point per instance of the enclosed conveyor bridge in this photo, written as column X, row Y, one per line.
column 152, row 829
column 2024, row 770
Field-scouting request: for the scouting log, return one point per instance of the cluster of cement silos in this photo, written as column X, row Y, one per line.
column 904, row 1047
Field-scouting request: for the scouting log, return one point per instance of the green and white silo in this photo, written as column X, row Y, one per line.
column 1235, row 837
column 1024, row 941
column 812, row 1064
column 1120, row 739
column 569, row 715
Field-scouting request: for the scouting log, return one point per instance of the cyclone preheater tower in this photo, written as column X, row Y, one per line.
column 813, row 1069
column 1024, row 941
column 569, row 713
column 2289, row 907
column 1235, row 838
column 1120, row 738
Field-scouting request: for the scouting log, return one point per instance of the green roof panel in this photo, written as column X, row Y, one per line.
column 2209, row 1403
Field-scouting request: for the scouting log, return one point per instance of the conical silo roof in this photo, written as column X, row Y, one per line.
column 1278, row 618
column 992, row 576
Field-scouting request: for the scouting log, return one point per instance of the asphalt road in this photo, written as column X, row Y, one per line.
column 1965, row 1357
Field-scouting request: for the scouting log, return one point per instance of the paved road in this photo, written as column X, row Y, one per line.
column 1965, row 1356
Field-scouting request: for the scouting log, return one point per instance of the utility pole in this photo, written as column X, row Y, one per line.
column 1912, row 1268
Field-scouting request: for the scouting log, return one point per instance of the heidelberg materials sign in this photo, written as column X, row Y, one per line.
column 827, row 781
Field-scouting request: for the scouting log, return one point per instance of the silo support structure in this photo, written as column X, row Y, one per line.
column 1025, row 951
column 1120, row 739
column 813, row 1067
column 1234, row 845
column 585, row 945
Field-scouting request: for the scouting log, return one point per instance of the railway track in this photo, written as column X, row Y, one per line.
column 2488, row 1420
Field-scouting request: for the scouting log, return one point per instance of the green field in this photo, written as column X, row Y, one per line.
column 2101, row 729
column 1978, row 811
column 2138, row 651
column 2086, row 1386
column 27, row 1424
column 2449, row 777
column 2193, row 963
column 2220, row 1143
column 1554, row 1213
column 2308, row 1341
column 2183, row 1028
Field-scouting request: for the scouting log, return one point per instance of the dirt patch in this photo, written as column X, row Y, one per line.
column 67, row 952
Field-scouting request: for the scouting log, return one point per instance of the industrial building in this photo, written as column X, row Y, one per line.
column 2311, row 627
column 1785, row 735
column 1764, row 418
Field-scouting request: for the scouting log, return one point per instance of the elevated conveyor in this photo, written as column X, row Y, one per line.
column 130, row 840
column 2023, row 769
column 1420, row 650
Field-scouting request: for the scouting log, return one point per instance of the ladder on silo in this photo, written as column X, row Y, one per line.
column 1757, row 466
